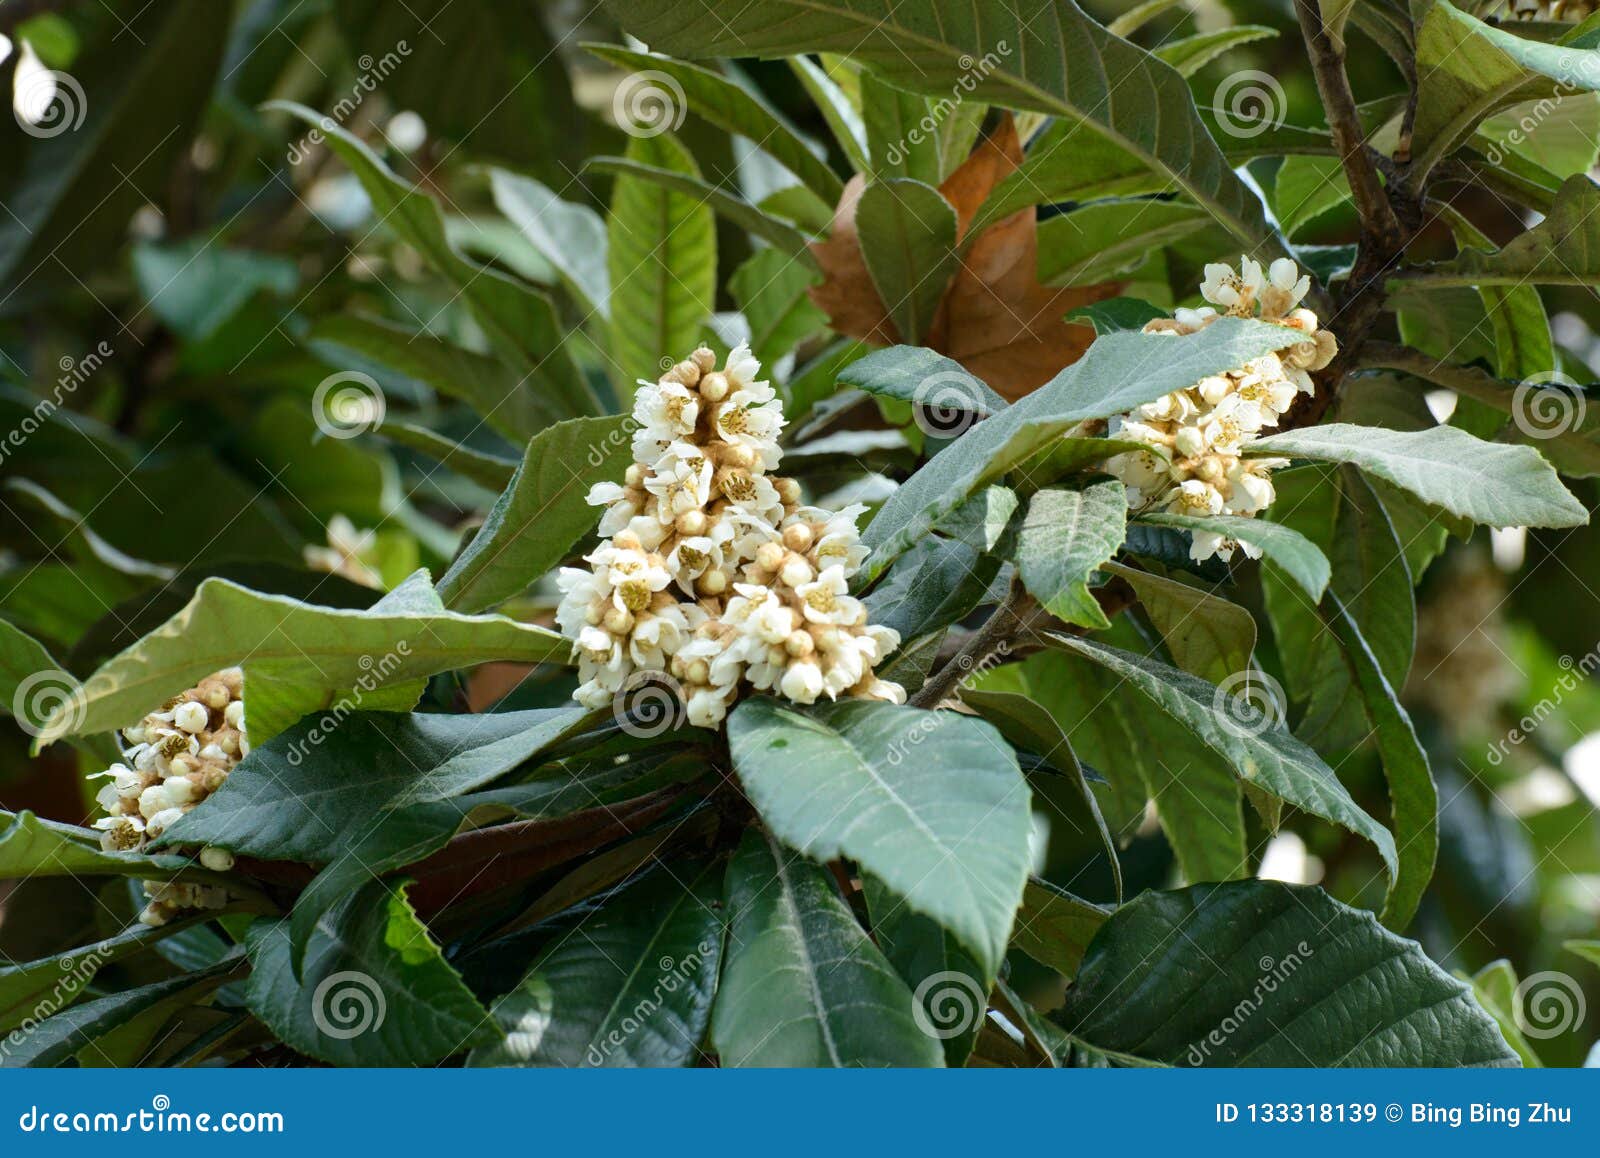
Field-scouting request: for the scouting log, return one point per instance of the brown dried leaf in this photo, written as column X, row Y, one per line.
column 995, row 317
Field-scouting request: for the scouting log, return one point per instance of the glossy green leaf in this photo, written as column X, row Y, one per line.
column 1117, row 372
column 1268, row 757
column 541, row 515
column 908, row 239
column 1260, row 973
column 1056, row 928
column 931, row 803
column 1488, row 482
column 802, row 985
column 298, row 657
column 1100, row 240
column 1301, row 559
column 1207, row 635
column 1049, row 57
column 662, row 258
column 375, row 991
column 632, row 986
column 1067, row 534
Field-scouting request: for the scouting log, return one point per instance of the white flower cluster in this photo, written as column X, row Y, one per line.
column 1195, row 437
column 180, row 755
column 712, row 570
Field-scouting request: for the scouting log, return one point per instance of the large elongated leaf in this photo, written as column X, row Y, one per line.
column 780, row 234
column 1488, row 482
column 518, row 320
column 128, row 113
column 908, row 238
column 1207, row 635
column 570, row 236
column 730, row 107
column 1467, row 70
column 1563, row 249
column 1056, row 928
column 541, row 514
column 662, row 257
column 1066, row 535
column 1412, row 795
column 1106, row 238
column 1119, row 371
column 1043, row 55
column 1259, row 973
column 771, row 291
column 504, row 397
column 931, row 803
column 802, row 985
column 56, row 1039
column 375, row 991
column 1145, row 757
column 1269, row 758
column 297, row 657
column 632, row 987
column 1301, row 559
column 32, row 847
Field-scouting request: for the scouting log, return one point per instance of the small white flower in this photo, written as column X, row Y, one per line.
column 802, row 682
column 191, row 717
column 827, row 599
column 665, row 412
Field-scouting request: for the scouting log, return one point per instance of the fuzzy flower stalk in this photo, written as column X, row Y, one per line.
column 711, row 570
column 1194, row 438
column 179, row 755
